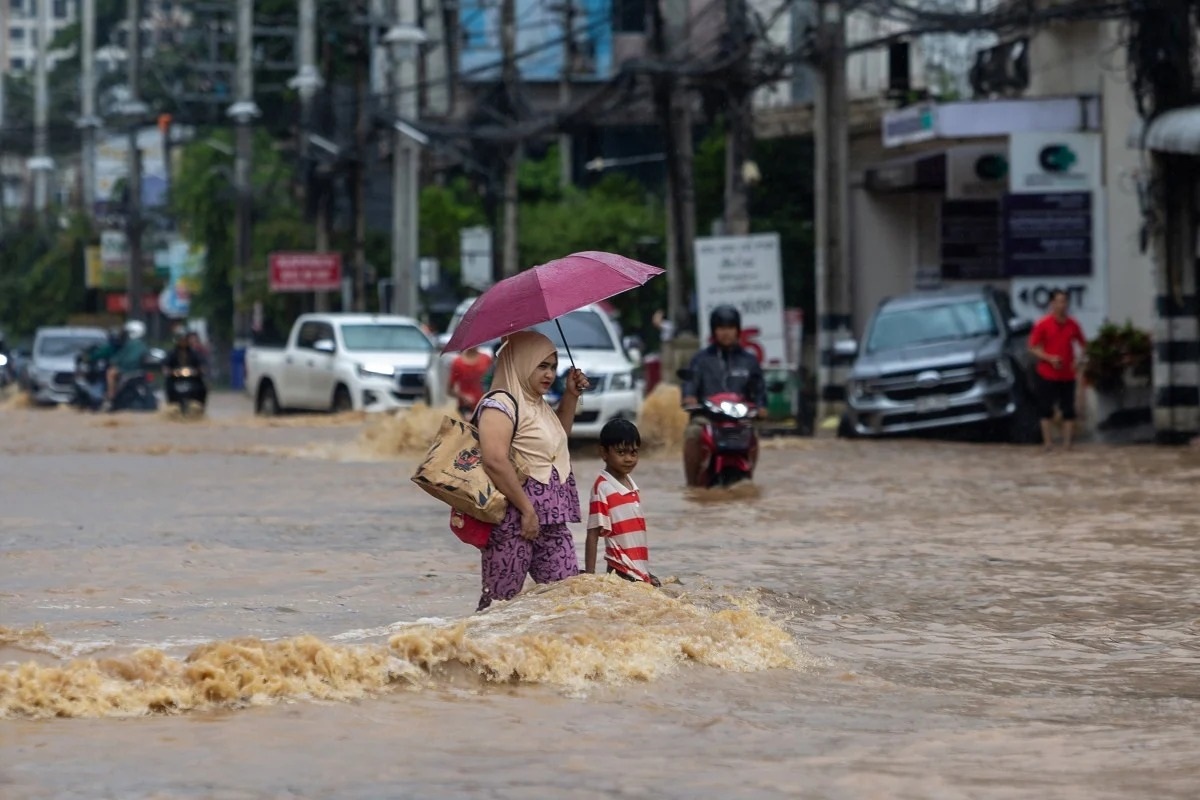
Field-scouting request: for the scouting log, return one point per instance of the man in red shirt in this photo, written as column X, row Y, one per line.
column 466, row 379
column 1052, row 343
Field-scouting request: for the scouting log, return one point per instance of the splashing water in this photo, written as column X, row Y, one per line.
column 585, row 631
column 662, row 421
column 407, row 432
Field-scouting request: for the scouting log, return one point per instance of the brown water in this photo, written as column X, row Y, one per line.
column 239, row 608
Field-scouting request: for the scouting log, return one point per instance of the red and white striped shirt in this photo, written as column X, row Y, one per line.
column 617, row 511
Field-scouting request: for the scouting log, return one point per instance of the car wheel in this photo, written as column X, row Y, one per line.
column 1025, row 427
column 342, row 401
column 268, row 401
column 846, row 428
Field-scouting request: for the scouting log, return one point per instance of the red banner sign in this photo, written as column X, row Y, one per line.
column 119, row 303
column 305, row 272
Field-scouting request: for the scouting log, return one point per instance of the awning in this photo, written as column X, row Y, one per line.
column 1176, row 131
column 920, row 173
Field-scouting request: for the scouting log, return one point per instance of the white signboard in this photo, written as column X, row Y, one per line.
column 1086, row 295
column 475, row 246
column 430, row 273
column 909, row 125
column 744, row 272
column 1054, row 162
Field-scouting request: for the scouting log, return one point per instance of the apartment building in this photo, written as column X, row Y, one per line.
column 19, row 23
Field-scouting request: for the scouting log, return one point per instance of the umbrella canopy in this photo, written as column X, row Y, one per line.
column 547, row 292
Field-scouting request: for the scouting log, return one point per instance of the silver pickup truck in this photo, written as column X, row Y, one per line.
column 943, row 359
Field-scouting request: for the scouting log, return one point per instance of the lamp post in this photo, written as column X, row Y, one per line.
column 405, row 40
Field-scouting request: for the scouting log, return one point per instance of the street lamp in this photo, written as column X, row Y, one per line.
column 405, row 40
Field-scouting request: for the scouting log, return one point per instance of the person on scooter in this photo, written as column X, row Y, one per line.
column 185, row 356
column 723, row 366
column 129, row 356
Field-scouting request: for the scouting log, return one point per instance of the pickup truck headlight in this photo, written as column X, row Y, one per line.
column 997, row 369
column 364, row 372
column 621, row 382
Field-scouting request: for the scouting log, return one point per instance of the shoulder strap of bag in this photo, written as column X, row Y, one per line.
column 516, row 408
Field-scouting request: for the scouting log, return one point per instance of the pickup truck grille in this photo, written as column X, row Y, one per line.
column 412, row 381
column 903, row 387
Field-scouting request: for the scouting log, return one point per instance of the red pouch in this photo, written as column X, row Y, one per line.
column 470, row 530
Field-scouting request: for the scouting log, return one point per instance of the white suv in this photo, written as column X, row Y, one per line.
column 617, row 385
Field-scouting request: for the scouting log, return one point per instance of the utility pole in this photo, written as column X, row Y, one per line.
column 135, row 110
column 510, row 76
column 88, row 121
column 405, row 38
column 739, row 125
column 669, row 23
column 243, row 112
column 40, row 165
column 832, row 206
column 307, row 82
column 361, row 131
column 565, row 155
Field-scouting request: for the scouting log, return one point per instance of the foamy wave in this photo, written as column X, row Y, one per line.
column 585, row 631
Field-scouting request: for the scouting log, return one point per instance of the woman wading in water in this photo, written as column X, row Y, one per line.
column 533, row 538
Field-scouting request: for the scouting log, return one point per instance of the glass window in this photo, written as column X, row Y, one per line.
column 310, row 332
column 16, row 34
column 17, row 6
column 584, row 330
column 629, row 16
column 385, row 338
column 60, row 9
column 59, row 346
column 895, row 330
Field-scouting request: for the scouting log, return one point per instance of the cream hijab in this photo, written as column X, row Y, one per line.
column 539, row 437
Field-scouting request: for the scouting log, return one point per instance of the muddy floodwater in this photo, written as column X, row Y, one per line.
column 241, row 608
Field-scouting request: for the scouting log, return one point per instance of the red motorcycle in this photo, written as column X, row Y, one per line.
column 729, row 441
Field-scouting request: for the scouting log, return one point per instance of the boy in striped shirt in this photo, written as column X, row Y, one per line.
column 615, row 510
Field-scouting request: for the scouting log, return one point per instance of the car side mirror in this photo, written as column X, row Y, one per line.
column 1019, row 327
column 325, row 346
column 846, row 347
column 443, row 339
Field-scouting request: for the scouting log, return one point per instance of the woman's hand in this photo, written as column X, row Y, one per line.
column 576, row 382
column 530, row 526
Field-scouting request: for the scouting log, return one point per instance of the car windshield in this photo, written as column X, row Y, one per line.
column 67, row 345
column 895, row 330
column 385, row 338
column 584, row 330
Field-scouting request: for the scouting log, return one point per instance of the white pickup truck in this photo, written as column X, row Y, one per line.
column 341, row 362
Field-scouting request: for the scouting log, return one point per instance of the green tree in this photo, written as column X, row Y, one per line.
column 41, row 266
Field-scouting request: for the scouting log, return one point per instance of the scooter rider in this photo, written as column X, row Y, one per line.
column 129, row 356
column 723, row 366
column 185, row 356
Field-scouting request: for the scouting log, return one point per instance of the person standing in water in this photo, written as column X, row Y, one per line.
column 615, row 508
column 1052, row 342
column 533, row 538
column 466, row 379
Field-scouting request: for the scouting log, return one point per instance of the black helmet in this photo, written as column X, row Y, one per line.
column 724, row 316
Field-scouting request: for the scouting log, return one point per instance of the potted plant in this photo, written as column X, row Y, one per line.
column 1117, row 355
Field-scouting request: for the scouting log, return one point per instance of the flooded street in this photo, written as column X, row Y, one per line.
column 240, row 608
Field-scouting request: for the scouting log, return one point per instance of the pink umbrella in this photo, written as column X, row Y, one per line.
column 547, row 292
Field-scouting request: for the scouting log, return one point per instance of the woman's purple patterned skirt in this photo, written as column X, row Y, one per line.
column 509, row 557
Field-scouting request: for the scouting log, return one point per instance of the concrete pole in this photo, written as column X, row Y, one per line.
column 243, row 111
column 565, row 155
column 512, row 163
column 133, row 214
column 682, row 183
column 832, row 211
column 307, row 82
column 737, row 135
column 405, row 161
column 40, row 163
column 88, row 121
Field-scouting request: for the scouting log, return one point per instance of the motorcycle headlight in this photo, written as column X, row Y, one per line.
column 621, row 382
column 371, row 372
column 3, row 360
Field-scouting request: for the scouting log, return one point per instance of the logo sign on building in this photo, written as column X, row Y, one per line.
column 1054, row 162
column 1048, row 234
column 744, row 272
column 305, row 272
column 909, row 125
column 976, row 172
column 1086, row 296
column 475, row 251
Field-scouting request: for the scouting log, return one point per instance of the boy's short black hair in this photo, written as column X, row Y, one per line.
column 620, row 431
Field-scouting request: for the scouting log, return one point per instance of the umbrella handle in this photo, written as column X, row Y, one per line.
column 563, row 336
